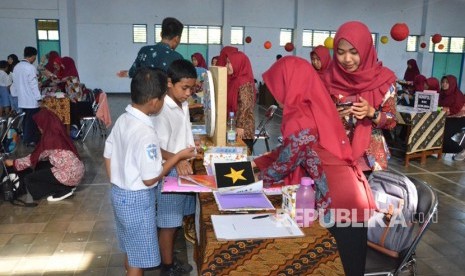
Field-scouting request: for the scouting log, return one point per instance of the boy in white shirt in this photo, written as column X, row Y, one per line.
column 5, row 82
column 134, row 164
column 174, row 132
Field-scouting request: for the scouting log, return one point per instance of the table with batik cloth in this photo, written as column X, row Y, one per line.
column 314, row 254
column 61, row 107
column 425, row 132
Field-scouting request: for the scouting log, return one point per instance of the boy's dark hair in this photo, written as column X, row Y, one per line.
column 171, row 27
column 3, row 64
column 147, row 84
column 30, row 51
column 278, row 56
column 180, row 69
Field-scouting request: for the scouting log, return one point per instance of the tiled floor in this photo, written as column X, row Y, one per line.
column 76, row 236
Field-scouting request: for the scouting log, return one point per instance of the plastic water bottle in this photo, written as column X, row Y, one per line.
column 305, row 203
column 231, row 130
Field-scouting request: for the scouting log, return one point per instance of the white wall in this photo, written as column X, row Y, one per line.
column 98, row 34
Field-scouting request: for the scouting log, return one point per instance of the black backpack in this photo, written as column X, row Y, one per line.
column 390, row 230
column 12, row 189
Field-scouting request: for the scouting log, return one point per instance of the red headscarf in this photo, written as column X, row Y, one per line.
column 371, row 80
column 242, row 74
column 294, row 83
column 54, row 135
column 325, row 58
column 224, row 53
column 51, row 57
column 433, row 84
column 419, row 83
column 452, row 97
column 411, row 73
column 69, row 69
column 58, row 72
column 200, row 60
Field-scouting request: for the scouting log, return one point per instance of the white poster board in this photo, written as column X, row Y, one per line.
column 426, row 100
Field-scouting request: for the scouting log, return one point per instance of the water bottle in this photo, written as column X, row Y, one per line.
column 305, row 203
column 231, row 130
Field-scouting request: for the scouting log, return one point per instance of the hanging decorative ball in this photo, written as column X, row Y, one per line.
column 248, row 39
column 399, row 31
column 441, row 46
column 436, row 38
column 329, row 42
column 384, row 39
column 423, row 45
column 289, row 47
column 267, row 44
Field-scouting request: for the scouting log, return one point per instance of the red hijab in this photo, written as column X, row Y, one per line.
column 452, row 97
column 54, row 135
column 323, row 54
column 419, row 83
column 307, row 105
column 200, row 60
column 224, row 53
column 433, row 84
column 69, row 68
column 412, row 71
column 51, row 57
column 242, row 74
column 371, row 80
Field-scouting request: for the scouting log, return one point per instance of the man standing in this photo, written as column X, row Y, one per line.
column 161, row 54
column 26, row 87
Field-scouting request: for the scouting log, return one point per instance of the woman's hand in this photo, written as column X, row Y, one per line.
column 344, row 111
column 362, row 109
column 123, row 73
column 184, row 167
column 9, row 162
column 240, row 132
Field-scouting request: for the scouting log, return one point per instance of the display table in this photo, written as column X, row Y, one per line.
column 314, row 254
column 425, row 132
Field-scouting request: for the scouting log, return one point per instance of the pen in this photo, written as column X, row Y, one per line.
column 260, row 217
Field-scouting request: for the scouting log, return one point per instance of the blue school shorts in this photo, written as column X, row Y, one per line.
column 4, row 97
column 136, row 227
column 172, row 207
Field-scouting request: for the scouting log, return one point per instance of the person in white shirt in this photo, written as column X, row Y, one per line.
column 134, row 164
column 26, row 87
column 174, row 131
column 5, row 82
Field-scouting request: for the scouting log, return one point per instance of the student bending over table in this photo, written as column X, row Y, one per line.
column 315, row 145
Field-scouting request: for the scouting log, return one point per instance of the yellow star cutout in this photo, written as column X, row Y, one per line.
column 235, row 175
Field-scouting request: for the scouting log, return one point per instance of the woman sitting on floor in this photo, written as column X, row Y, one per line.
column 54, row 167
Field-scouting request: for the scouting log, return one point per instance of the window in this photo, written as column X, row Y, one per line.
column 313, row 38
column 448, row 45
column 412, row 43
column 457, row 44
column 195, row 34
column 237, row 35
column 285, row 36
column 47, row 29
column 139, row 33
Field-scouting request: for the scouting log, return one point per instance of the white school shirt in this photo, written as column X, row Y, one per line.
column 5, row 79
column 133, row 150
column 25, row 85
column 173, row 126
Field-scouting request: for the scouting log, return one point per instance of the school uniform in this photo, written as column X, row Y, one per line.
column 134, row 153
column 174, row 132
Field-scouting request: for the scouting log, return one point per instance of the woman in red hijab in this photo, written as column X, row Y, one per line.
column 222, row 58
column 432, row 84
column 55, row 167
column 450, row 96
column 356, row 76
column 241, row 95
column 320, row 58
column 412, row 70
column 315, row 144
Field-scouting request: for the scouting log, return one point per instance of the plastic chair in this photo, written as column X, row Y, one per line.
column 260, row 132
column 379, row 264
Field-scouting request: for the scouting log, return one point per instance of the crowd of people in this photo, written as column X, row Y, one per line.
column 336, row 108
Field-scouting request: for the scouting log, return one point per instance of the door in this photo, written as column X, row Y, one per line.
column 447, row 64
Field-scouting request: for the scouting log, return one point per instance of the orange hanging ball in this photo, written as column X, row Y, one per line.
column 441, row 46
column 289, row 47
column 267, row 45
column 399, row 31
column 436, row 38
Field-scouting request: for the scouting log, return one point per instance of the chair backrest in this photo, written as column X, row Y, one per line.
column 8, row 141
column 268, row 116
column 426, row 210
